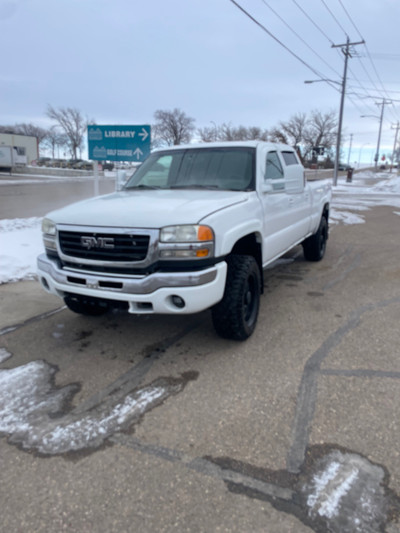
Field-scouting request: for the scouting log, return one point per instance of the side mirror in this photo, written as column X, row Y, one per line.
column 267, row 186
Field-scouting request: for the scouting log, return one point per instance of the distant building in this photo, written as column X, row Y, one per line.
column 25, row 145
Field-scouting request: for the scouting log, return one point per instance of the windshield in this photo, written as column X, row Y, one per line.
column 200, row 168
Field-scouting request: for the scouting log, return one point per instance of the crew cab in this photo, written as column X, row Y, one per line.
column 192, row 229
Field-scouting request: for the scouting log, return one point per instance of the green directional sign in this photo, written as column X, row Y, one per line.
column 119, row 143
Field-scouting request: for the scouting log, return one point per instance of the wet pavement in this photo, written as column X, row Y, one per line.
column 125, row 423
column 25, row 196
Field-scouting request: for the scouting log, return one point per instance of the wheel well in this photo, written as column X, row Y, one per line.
column 250, row 245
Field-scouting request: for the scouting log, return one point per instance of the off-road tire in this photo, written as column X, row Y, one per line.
column 235, row 316
column 315, row 246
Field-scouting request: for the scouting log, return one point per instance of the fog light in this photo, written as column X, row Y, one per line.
column 178, row 301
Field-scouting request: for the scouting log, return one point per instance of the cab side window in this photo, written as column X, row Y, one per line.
column 274, row 172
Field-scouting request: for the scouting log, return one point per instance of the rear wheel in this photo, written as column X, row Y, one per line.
column 235, row 316
column 314, row 247
column 86, row 306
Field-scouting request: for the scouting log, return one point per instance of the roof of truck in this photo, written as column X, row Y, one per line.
column 227, row 144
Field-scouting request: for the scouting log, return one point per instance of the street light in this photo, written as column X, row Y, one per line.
column 329, row 81
column 346, row 51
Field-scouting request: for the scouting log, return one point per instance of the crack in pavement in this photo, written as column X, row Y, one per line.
column 337, row 490
column 307, row 392
column 133, row 377
column 14, row 327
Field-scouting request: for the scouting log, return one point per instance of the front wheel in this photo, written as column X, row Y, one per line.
column 314, row 247
column 235, row 316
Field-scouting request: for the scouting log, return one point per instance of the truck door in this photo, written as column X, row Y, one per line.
column 299, row 215
column 275, row 203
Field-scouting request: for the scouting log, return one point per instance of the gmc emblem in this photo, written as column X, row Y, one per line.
column 90, row 242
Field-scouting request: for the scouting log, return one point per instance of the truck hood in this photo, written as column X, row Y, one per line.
column 147, row 208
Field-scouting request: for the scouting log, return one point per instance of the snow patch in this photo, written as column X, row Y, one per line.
column 4, row 355
column 346, row 491
column 20, row 242
column 31, row 410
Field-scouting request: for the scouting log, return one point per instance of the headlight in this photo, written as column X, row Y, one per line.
column 186, row 242
column 48, row 227
column 187, row 233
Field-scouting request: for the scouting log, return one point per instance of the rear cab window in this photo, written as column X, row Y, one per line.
column 294, row 172
column 274, row 171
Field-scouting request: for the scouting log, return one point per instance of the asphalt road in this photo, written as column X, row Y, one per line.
column 295, row 430
column 30, row 196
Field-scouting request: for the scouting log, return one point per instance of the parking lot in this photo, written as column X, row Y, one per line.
column 152, row 423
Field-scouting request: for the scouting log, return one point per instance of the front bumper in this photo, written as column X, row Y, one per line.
column 153, row 293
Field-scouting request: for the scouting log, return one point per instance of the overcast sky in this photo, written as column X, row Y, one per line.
column 118, row 61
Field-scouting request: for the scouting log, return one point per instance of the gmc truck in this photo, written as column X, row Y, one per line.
column 192, row 229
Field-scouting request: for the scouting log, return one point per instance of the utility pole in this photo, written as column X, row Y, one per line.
column 351, row 142
column 347, row 54
column 395, row 142
column 380, row 131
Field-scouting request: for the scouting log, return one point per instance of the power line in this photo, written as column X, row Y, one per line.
column 351, row 20
column 318, row 27
column 279, row 41
column 312, row 21
column 296, row 56
column 369, row 89
column 369, row 57
column 385, row 56
column 299, row 37
column 335, row 19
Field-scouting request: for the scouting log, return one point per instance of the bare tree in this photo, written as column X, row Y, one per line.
column 7, row 129
column 208, row 134
column 173, row 127
column 294, row 128
column 257, row 134
column 72, row 124
column 321, row 131
column 55, row 139
column 276, row 135
column 226, row 132
column 31, row 130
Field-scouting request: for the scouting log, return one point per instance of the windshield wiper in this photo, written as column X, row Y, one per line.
column 143, row 187
column 195, row 186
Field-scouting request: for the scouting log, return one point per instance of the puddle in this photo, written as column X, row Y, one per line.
column 36, row 415
column 337, row 491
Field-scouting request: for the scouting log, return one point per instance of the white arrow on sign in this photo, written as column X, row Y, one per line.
column 144, row 134
column 138, row 152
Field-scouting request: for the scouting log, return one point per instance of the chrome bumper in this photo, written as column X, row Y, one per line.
column 69, row 279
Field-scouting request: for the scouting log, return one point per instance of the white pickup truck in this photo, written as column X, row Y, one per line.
column 192, row 229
